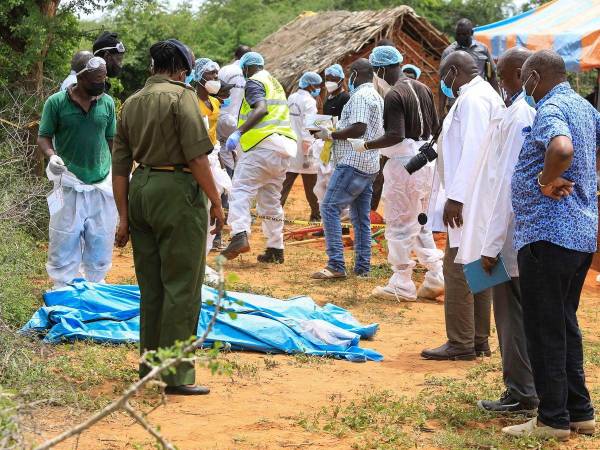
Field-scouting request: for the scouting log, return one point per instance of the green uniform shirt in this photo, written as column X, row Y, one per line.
column 80, row 138
column 160, row 125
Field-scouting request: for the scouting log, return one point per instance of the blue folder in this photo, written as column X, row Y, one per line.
column 479, row 280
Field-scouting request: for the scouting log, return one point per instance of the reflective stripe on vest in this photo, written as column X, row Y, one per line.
column 277, row 119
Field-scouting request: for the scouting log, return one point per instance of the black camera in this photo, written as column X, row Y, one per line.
column 426, row 154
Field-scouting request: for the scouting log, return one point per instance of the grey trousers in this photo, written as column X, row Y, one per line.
column 467, row 315
column 516, row 369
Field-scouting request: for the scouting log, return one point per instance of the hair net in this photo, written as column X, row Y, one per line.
column 251, row 59
column 203, row 65
column 335, row 70
column 310, row 79
column 386, row 55
column 415, row 69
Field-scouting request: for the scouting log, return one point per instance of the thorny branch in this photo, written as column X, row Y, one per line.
column 122, row 403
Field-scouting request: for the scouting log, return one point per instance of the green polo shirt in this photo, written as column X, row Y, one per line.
column 80, row 138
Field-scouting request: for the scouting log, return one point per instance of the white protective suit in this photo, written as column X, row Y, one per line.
column 223, row 184
column 228, row 115
column 488, row 216
column 405, row 197
column 301, row 104
column 259, row 174
column 82, row 231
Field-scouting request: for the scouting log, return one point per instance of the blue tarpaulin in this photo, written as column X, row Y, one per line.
column 110, row 313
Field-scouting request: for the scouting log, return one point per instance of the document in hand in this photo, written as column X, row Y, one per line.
column 479, row 280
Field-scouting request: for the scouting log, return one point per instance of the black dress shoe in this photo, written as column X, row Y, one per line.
column 483, row 349
column 507, row 404
column 187, row 389
column 447, row 352
column 271, row 255
column 238, row 244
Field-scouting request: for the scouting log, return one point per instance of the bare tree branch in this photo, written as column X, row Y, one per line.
column 122, row 403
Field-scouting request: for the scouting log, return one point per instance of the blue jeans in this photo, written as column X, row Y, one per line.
column 348, row 187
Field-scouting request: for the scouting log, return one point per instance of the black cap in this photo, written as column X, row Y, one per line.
column 106, row 39
column 182, row 49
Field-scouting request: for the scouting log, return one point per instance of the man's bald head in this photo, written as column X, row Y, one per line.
column 80, row 59
column 541, row 72
column 363, row 70
column 458, row 69
column 509, row 69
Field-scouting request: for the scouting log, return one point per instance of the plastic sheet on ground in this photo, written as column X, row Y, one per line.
column 110, row 313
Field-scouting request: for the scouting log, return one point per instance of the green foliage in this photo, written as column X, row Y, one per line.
column 38, row 37
column 21, row 262
column 219, row 26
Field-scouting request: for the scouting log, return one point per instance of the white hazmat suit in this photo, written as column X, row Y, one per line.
column 82, row 229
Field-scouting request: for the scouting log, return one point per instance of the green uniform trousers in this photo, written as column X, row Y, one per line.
column 168, row 224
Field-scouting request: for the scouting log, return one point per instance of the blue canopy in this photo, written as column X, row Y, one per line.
column 571, row 27
column 110, row 313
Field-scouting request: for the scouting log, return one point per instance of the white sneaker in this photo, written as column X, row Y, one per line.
column 532, row 428
column 388, row 293
column 584, row 427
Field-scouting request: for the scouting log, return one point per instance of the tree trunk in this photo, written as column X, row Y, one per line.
column 48, row 9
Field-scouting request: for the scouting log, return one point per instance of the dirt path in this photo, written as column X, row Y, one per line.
column 261, row 405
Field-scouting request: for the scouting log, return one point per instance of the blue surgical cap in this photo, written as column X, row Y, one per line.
column 252, row 59
column 335, row 70
column 203, row 65
column 310, row 79
column 385, row 55
column 415, row 69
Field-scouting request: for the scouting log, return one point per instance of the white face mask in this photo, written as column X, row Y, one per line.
column 213, row 86
column 331, row 86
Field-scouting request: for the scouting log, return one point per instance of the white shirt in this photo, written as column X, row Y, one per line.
column 463, row 133
column 301, row 104
column 71, row 79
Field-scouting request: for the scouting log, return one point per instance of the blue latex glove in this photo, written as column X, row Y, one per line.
column 233, row 141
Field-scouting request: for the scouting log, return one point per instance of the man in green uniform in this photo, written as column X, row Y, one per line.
column 164, row 205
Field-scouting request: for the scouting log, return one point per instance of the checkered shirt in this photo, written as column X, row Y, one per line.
column 365, row 106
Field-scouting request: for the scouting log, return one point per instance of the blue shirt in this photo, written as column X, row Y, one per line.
column 571, row 222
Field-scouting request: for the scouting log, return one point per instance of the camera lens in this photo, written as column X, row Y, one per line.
column 415, row 163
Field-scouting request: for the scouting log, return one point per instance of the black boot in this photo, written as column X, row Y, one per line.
column 271, row 255
column 238, row 244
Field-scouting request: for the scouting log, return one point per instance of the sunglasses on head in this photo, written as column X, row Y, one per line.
column 93, row 64
column 119, row 47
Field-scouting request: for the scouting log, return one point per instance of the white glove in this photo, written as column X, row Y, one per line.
column 357, row 144
column 323, row 134
column 57, row 165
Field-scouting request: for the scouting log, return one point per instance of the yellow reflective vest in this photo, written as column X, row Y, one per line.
column 277, row 119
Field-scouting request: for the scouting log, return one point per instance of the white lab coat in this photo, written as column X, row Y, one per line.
column 488, row 217
column 301, row 104
column 461, row 142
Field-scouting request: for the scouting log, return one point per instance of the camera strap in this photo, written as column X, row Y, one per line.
column 409, row 82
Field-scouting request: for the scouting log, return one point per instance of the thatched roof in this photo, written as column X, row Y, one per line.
column 314, row 41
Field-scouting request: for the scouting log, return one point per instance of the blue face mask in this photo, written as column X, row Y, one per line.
column 189, row 78
column 447, row 91
column 316, row 92
column 226, row 102
column 529, row 98
column 351, row 82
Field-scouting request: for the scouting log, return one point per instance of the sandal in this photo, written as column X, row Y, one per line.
column 328, row 274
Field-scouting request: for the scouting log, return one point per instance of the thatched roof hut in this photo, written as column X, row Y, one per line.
column 314, row 41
